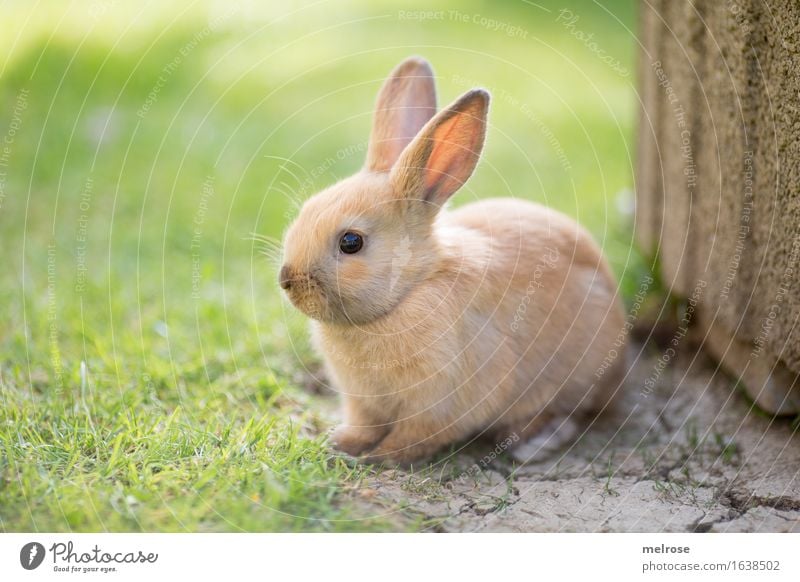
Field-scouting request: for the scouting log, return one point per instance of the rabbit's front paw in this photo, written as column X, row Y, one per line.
column 354, row 440
column 397, row 448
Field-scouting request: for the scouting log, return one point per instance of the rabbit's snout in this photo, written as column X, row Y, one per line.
column 285, row 278
column 303, row 291
column 296, row 283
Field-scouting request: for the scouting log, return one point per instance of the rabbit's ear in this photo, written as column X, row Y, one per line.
column 444, row 154
column 405, row 103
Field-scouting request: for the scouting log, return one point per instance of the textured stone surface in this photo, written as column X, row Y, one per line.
column 690, row 454
column 718, row 177
column 760, row 519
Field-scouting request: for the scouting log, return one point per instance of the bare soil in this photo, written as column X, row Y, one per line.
column 691, row 454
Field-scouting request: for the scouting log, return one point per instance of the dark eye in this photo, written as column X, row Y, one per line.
column 351, row 242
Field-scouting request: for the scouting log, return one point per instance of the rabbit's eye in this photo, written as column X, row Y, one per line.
column 351, row 242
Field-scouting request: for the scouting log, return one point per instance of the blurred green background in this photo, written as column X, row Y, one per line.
column 152, row 377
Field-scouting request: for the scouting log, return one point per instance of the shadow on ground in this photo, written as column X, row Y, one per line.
column 690, row 455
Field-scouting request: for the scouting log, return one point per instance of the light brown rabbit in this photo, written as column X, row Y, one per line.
column 494, row 319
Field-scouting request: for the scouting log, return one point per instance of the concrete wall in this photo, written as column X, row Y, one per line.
column 718, row 178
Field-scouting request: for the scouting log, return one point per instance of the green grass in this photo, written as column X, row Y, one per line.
column 151, row 377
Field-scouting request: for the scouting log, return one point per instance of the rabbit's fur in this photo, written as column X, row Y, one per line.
column 496, row 318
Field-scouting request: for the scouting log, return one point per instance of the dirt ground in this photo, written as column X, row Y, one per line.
column 691, row 455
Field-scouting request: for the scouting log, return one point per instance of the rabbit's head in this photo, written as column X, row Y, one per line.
column 359, row 246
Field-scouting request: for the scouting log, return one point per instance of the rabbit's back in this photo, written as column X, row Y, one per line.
column 548, row 291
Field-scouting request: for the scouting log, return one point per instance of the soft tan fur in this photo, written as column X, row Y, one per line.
column 494, row 318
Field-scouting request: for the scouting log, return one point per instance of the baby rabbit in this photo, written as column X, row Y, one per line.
column 494, row 319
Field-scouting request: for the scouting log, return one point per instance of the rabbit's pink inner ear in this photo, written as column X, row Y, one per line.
column 406, row 102
column 457, row 144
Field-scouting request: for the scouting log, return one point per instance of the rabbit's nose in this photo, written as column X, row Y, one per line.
column 285, row 278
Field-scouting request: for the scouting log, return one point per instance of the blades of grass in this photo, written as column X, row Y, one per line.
column 115, row 455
